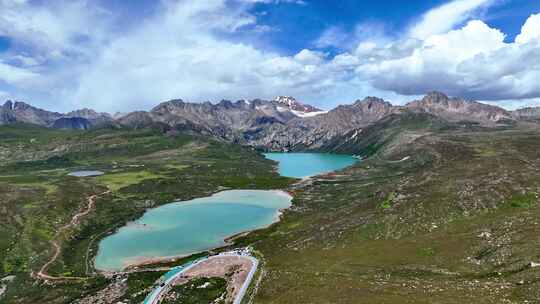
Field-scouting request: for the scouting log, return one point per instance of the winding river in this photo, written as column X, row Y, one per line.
column 187, row 227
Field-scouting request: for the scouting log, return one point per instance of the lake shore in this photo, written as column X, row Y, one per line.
column 138, row 262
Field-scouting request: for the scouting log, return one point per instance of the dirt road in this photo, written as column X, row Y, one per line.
column 42, row 274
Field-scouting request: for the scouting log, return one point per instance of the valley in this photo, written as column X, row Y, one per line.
column 151, row 170
column 442, row 207
column 269, row 152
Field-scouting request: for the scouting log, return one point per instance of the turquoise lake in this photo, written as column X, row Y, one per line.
column 183, row 228
column 300, row 165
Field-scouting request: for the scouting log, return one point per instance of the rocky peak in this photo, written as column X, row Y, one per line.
column 88, row 114
column 373, row 104
column 435, row 97
column 167, row 106
column 286, row 100
column 22, row 106
column 458, row 109
column 83, row 111
column 91, row 119
column 295, row 105
column 8, row 105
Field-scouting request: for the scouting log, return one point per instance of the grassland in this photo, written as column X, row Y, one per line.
column 117, row 181
column 458, row 222
column 436, row 214
column 144, row 168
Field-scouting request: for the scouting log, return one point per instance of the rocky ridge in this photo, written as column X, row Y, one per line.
column 21, row 112
column 458, row 110
column 282, row 124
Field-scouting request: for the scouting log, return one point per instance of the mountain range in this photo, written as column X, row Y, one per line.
column 282, row 124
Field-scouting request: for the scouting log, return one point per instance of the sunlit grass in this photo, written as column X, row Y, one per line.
column 116, row 181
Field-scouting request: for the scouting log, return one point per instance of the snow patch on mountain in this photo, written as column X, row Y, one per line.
column 297, row 108
column 308, row 114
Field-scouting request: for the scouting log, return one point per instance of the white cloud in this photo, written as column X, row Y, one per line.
column 15, row 76
column 56, row 30
column 530, row 31
column 177, row 55
column 182, row 51
column 446, row 17
column 310, row 57
column 473, row 61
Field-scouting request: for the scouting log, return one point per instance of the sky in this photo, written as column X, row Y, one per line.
column 119, row 56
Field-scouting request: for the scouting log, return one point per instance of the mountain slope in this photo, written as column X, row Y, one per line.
column 392, row 130
column 282, row 124
column 447, row 217
column 527, row 113
column 12, row 112
column 459, row 110
column 72, row 123
column 95, row 118
column 313, row 133
column 25, row 113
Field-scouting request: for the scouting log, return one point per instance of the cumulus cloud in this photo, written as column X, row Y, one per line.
column 58, row 30
column 15, row 76
column 179, row 52
column 530, row 30
column 184, row 50
column 473, row 61
column 178, row 55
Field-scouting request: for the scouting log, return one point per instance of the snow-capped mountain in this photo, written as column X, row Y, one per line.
column 297, row 108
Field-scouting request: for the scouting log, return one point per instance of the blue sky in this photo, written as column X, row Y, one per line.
column 116, row 55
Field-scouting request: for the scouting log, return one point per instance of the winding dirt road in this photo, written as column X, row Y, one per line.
column 42, row 274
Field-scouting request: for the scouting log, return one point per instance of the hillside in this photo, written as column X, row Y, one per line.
column 443, row 207
column 282, row 124
column 147, row 168
column 443, row 216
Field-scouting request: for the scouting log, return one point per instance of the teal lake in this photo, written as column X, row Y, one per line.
column 183, row 228
column 300, row 165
